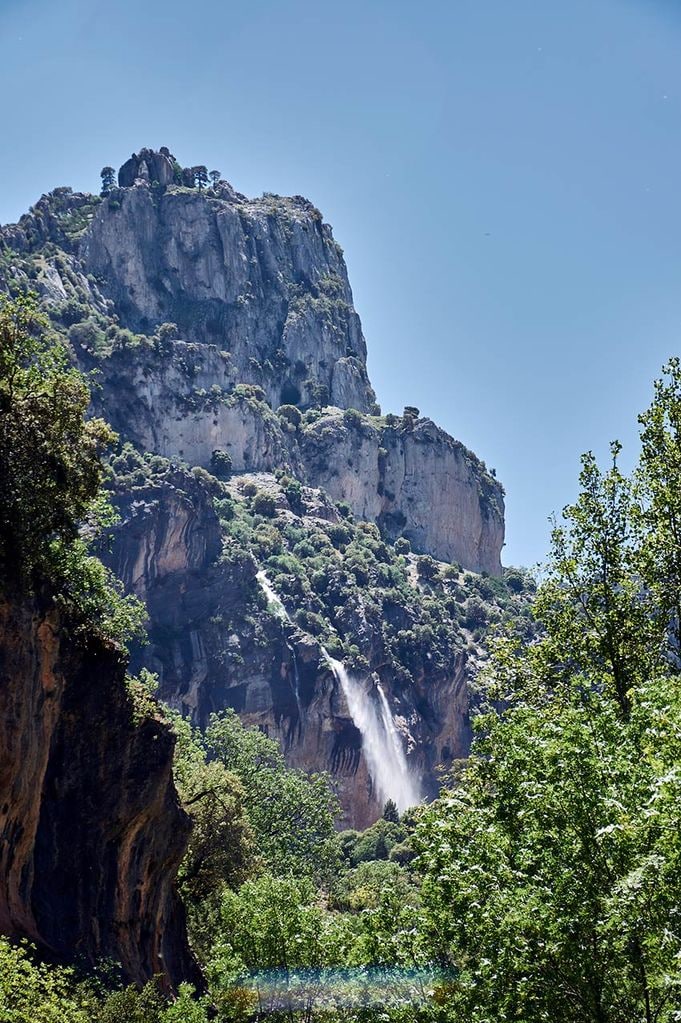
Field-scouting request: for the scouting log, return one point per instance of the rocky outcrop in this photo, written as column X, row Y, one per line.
column 91, row 832
column 260, row 278
column 414, row 480
column 147, row 165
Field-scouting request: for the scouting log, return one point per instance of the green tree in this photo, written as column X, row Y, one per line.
column 108, row 176
column 50, row 457
column 221, row 848
column 221, row 464
column 50, row 475
column 291, row 812
column 214, row 178
column 390, row 812
column 200, row 176
column 552, row 872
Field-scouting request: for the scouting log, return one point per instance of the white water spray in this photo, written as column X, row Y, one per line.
column 273, row 598
column 381, row 743
column 277, row 606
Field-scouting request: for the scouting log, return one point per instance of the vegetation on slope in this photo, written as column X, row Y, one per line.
column 545, row 885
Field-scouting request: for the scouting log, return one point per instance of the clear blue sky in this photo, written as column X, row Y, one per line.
column 503, row 176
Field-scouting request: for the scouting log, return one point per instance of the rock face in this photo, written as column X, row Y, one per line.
column 200, row 314
column 414, row 480
column 262, row 279
column 215, row 642
column 148, row 165
column 91, row 832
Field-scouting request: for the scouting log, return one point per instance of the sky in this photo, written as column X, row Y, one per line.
column 504, row 178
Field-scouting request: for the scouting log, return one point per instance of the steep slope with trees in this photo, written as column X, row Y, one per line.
column 91, row 831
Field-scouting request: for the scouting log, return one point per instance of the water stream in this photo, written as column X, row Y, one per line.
column 276, row 603
column 370, row 711
column 381, row 742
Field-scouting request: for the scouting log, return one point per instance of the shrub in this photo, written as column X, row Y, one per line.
column 291, row 414
column 221, row 464
column 264, row 504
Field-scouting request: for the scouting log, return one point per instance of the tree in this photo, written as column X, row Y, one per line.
column 214, row 178
column 50, row 456
column 221, row 464
column 200, row 176
column 108, row 176
column 552, row 872
column 264, row 504
column 390, row 812
column 291, row 813
column 221, row 848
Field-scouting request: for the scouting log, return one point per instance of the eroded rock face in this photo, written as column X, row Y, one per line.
column 91, row 831
column 184, row 401
column 215, row 642
column 414, row 480
column 260, row 278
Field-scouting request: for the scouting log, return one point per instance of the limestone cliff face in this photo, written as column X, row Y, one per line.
column 263, row 279
column 91, row 832
column 414, row 480
column 258, row 295
column 215, row 642
column 183, row 401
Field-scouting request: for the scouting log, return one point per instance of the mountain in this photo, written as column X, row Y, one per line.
column 327, row 571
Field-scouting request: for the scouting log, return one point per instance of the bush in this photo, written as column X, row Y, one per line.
column 221, row 464
column 264, row 504
column 291, row 414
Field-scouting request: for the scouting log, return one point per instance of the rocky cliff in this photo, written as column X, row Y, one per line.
column 91, row 832
column 220, row 334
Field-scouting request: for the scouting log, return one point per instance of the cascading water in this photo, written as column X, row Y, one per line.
column 275, row 601
column 381, row 742
column 273, row 597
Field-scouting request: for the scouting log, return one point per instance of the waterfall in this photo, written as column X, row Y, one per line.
column 371, row 714
column 273, row 598
column 381, row 743
column 275, row 602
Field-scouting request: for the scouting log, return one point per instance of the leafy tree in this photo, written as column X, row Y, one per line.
column 108, row 176
column 221, row 464
column 221, row 848
column 264, row 504
column 200, row 176
column 552, row 872
column 214, row 178
column 390, row 812
column 292, row 813
column 50, row 474
column 291, row 414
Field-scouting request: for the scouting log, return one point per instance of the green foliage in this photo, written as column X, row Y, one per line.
column 391, row 813
column 373, row 844
column 50, row 466
column 221, row 846
column 552, row 872
column 291, row 414
column 50, row 475
column 264, row 504
column 291, row 813
column 221, row 464
column 34, row 992
column 108, row 176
